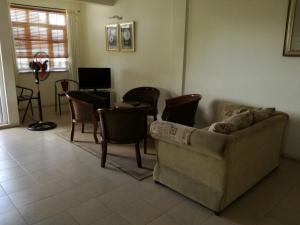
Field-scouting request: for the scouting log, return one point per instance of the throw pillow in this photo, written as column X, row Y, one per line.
column 233, row 123
column 232, row 109
column 241, row 120
column 222, row 127
column 262, row 114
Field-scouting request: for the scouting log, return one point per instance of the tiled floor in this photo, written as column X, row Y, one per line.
column 45, row 180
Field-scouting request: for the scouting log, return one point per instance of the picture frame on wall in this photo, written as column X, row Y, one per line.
column 292, row 33
column 112, row 37
column 127, row 36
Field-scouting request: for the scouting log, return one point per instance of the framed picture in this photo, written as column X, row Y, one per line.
column 112, row 37
column 127, row 36
column 292, row 33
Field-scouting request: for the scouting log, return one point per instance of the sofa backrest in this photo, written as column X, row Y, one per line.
column 225, row 109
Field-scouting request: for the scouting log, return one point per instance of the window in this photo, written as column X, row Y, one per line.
column 36, row 30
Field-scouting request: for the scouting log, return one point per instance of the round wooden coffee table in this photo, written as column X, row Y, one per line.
column 132, row 105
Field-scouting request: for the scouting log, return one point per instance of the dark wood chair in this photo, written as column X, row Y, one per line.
column 83, row 108
column 61, row 87
column 146, row 95
column 25, row 94
column 182, row 109
column 123, row 126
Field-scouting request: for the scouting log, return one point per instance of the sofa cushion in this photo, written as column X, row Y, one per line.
column 233, row 123
column 262, row 114
column 229, row 109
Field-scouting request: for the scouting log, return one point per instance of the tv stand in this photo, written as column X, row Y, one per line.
column 103, row 93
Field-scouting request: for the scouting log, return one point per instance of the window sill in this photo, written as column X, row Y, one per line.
column 54, row 71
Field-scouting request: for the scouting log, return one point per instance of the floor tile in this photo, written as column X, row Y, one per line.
column 89, row 212
column 164, row 220
column 61, row 219
column 38, row 165
column 75, row 196
column 4, row 155
column 2, row 192
column 190, row 213
column 18, row 184
column 114, row 219
column 29, row 195
column 48, row 175
column 284, row 216
column 219, row 220
column 140, row 213
column 37, row 211
column 11, row 218
column 7, row 163
column 122, row 196
column 6, row 205
column 269, row 221
column 163, row 198
column 11, row 173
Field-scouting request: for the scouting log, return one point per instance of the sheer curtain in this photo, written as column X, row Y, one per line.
column 73, row 20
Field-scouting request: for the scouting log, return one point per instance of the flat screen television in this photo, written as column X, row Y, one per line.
column 94, row 78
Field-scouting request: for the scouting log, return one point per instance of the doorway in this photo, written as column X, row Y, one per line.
column 3, row 104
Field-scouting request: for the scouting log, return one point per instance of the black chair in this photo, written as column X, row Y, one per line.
column 123, row 126
column 146, row 95
column 25, row 94
column 83, row 108
column 61, row 87
column 182, row 109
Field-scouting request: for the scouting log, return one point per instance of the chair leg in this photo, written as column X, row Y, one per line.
column 145, row 145
column 95, row 132
column 82, row 127
column 26, row 110
column 55, row 102
column 59, row 105
column 72, row 131
column 138, row 155
column 31, row 107
column 104, row 153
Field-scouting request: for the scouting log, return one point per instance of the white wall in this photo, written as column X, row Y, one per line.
column 27, row 79
column 8, row 64
column 234, row 52
column 158, row 60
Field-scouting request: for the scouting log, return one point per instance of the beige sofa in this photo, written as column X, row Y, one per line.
column 214, row 169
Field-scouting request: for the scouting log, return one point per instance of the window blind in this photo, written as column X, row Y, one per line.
column 39, row 29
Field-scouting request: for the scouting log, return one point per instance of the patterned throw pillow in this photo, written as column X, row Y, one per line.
column 241, row 117
column 222, row 127
column 233, row 123
column 262, row 114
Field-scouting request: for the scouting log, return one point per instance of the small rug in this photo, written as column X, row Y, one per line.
column 120, row 156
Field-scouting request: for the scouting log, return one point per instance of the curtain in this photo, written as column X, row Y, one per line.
column 73, row 20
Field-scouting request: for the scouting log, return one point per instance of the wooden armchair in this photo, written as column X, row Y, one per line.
column 182, row 109
column 83, row 108
column 123, row 126
column 145, row 95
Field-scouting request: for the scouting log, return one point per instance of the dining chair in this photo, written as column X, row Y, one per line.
column 123, row 126
column 25, row 94
column 61, row 87
column 83, row 107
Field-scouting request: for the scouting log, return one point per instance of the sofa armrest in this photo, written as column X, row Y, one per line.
column 200, row 140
